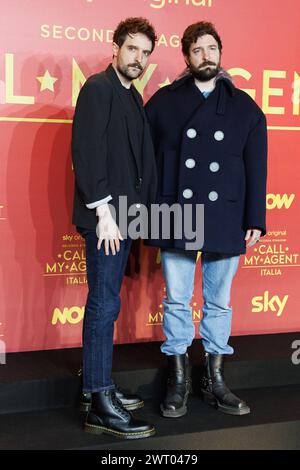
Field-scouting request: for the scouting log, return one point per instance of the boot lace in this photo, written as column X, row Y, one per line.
column 119, row 407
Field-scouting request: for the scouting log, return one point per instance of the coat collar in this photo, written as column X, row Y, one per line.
column 222, row 75
column 224, row 87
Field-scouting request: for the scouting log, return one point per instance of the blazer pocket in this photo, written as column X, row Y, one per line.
column 169, row 173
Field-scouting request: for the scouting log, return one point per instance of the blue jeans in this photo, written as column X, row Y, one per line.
column 217, row 274
column 105, row 274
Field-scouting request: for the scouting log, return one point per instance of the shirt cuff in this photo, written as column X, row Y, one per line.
column 93, row 205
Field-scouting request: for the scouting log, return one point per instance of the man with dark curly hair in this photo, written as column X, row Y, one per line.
column 113, row 157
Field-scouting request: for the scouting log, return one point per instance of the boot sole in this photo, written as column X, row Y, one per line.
column 177, row 413
column 93, row 429
column 86, row 406
column 211, row 400
column 173, row 414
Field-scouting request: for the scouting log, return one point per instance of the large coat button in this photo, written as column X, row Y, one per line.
column 187, row 193
column 219, row 135
column 191, row 133
column 214, row 166
column 213, row 196
column 190, row 163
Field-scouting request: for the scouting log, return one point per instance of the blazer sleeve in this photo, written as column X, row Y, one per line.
column 89, row 141
column 255, row 158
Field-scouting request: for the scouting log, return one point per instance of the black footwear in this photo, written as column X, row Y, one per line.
column 130, row 401
column 178, row 387
column 215, row 391
column 108, row 416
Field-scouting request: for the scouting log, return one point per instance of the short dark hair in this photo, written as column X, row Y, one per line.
column 195, row 31
column 133, row 26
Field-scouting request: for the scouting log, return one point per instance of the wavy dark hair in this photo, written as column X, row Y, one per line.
column 195, row 31
column 133, row 26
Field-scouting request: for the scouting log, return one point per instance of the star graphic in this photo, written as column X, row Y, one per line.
column 166, row 82
column 46, row 81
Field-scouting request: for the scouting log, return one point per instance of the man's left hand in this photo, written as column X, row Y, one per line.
column 253, row 235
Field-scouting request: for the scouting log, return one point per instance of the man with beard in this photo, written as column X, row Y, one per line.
column 210, row 142
column 113, row 156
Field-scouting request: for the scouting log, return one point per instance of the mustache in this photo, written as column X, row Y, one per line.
column 136, row 64
column 206, row 63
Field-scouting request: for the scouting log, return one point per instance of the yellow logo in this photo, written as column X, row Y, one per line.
column 72, row 262
column 278, row 201
column 71, row 315
column 264, row 303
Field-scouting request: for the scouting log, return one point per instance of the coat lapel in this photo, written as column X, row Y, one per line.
column 187, row 102
column 133, row 142
column 192, row 106
column 117, row 86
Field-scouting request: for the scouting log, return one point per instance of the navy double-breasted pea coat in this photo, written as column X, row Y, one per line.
column 211, row 151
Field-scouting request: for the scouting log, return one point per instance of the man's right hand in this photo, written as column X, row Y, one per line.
column 107, row 230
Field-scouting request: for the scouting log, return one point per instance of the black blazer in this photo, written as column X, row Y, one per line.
column 106, row 157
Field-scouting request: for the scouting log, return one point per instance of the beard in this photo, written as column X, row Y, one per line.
column 130, row 71
column 206, row 71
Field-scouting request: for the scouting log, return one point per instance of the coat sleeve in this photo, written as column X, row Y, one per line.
column 255, row 158
column 89, row 141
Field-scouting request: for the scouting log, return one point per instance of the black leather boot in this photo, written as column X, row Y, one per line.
column 130, row 401
column 178, row 387
column 107, row 415
column 215, row 391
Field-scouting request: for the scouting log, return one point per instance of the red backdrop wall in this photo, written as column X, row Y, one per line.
column 47, row 50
